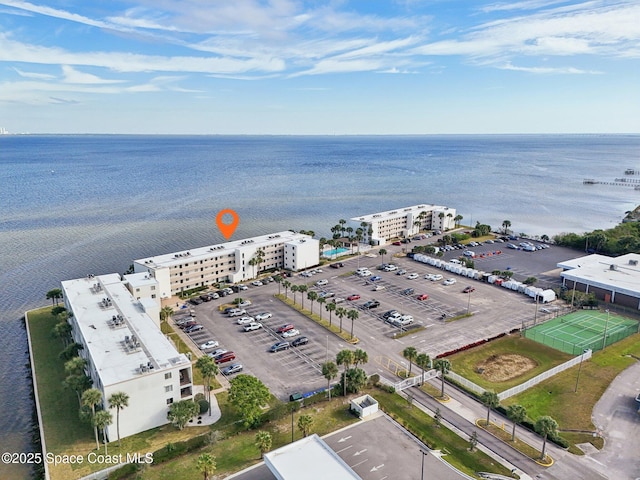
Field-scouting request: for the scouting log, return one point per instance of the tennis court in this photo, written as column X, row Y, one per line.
column 582, row 329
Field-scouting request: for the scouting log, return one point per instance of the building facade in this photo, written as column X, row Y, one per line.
column 125, row 349
column 230, row 262
column 382, row 227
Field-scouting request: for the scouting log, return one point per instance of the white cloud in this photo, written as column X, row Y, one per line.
column 72, row 75
column 549, row 70
column 33, row 75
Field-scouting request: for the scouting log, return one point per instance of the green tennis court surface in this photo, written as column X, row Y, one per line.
column 583, row 329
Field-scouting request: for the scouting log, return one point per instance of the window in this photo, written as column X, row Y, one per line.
column 167, row 375
column 137, row 289
column 153, row 287
column 169, row 401
column 168, row 388
column 153, row 295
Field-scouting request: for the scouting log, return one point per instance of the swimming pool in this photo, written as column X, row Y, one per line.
column 334, row 251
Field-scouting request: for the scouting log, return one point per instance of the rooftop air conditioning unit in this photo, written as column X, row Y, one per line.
column 612, row 267
column 633, row 262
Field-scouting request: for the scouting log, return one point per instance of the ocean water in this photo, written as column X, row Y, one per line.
column 73, row 205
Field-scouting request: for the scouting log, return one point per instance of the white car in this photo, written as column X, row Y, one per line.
column 244, row 303
column 252, row 326
column 449, row 281
column 245, row 320
column 208, row 345
column 217, row 351
column 402, row 271
column 434, row 277
column 413, row 276
column 365, row 273
column 257, row 283
column 322, row 283
column 291, row 333
column 263, row 316
column 236, row 312
column 242, row 287
column 378, row 288
column 390, row 268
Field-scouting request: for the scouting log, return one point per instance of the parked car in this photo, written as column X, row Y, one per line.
column 225, row 357
column 423, row 297
column 193, row 328
column 389, row 313
column 285, row 328
column 209, row 345
column 337, row 265
column 468, row 289
column 402, row 271
column 276, row 347
column 231, row 369
column 244, row 303
column 371, row 304
column 187, row 324
column 263, row 316
column 407, row 291
column 397, row 244
column 205, row 298
column 236, row 312
column 242, row 287
column 252, row 326
column 214, row 296
column 217, row 352
column 434, row 277
column 365, row 273
column 353, row 297
column 300, row 341
column 449, row 281
column 378, row 288
column 375, row 278
column 390, row 268
column 413, row 276
column 257, row 283
column 291, row 333
column 245, row 320
column 322, row 283
column 338, row 300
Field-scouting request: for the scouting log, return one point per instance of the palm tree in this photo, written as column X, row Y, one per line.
column 382, row 253
column 91, row 398
column 118, row 400
column 320, row 301
column 101, row 420
column 490, row 400
column 344, row 357
column 54, row 295
column 359, row 235
column 263, row 442
column 342, row 223
column 253, row 262
column 423, row 361
column 312, row 296
column 330, row 307
column 304, row 424
column 329, row 371
column 545, row 426
column 410, row 353
column 62, row 330
column 75, row 366
column 457, row 219
column 505, row 225
column 517, row 414
column 302, row 289
column 206, row 463
column 286, row 284
column 77, row 383
column 441, row 216
column 208, row 369
column 353, row 315
column 360, row 357
column 341, row 312
column 165, row 313
column 278, row 279
column 443, row 366
column 294, row 289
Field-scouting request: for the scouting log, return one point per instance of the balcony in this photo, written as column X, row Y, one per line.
column 186, row 392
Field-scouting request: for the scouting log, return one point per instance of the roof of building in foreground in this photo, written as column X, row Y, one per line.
column 398, row 212
column 309, row 458
column 621, row 274
column 200, row 253
column 120, row 336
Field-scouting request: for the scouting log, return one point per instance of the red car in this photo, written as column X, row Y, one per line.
column 285, row 328
column 397, row 244
column 225, row 357
column 468, row 289
column 424, row 296
column 353, row 297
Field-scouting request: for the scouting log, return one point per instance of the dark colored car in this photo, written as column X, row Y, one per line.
column 337, row 265
column 231, row 369
column 277, row 347
column 300, row 341
column 387, row 314
column 193, row 328
column 371, row 304
column 188, row 324
column 408, row 291
column 205, row 298
column 468, row 289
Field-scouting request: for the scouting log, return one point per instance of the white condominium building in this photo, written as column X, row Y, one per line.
column 125, row 349
column 380, row 228
column 231, row 262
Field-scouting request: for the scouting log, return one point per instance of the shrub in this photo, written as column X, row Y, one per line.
column 198, row 397
column 204, row 406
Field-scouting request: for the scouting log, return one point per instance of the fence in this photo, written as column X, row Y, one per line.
column 468, row 384
column 411, row 381
column 544, row 375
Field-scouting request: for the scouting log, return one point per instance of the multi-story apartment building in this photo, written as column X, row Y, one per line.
column 231, row 262
column 379, row 228
column 125, row 349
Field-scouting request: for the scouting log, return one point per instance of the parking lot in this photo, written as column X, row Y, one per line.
column 298, row 369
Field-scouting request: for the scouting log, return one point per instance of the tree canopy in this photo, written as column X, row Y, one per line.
column 181, row 412
column 248, row 394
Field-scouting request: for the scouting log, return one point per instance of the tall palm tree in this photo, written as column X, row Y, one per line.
column 340, row 313
column 382, row 253
column 263, row 442
column 208, row 369
column 320, row 301
column 253, row 262
column 330, row 307
column 545, row 426
column 101, row 420
column 360, row 357
column 359, row 236
column 505, row 225
column 312, row 296
column 54, row 295
column 329, row 371
column 457, row 219
column 118, row 400
column 286, row 284
column 75, row 366
column 165, row 313
column 443, row 366
column 304, row 424
column 294, row 290
column 423, row 361
column 302, row 289
column 517, row 414
column 206, row 463
column 344, row 357
column 410, row 353
column 490, row 400
column 278, row 279
column 353, row 315
column 91, row 398
column 342, row 222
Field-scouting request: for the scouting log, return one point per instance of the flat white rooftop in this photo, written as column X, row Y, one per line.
column 227, row 248
column 309, row 458
column 115, row 359
column 398, row 212
column 620, row 274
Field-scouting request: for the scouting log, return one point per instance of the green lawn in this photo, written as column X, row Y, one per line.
column 464, row 363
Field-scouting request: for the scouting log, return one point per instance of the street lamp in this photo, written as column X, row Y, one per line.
column 424, row 454
column 469, row 302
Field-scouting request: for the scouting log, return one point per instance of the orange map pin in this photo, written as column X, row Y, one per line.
column 227, row 229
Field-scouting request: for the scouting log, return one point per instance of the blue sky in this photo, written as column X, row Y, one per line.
column 320, row 67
